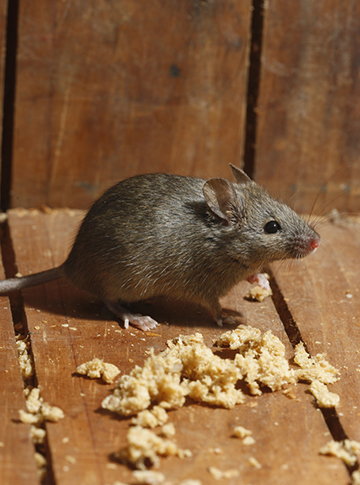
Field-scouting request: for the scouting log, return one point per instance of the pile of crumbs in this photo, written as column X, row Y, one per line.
column 97, row 368
column 37, row 412
column 189, row 368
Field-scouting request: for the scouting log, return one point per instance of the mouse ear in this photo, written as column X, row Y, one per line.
column 222, row 199
column 239, row 175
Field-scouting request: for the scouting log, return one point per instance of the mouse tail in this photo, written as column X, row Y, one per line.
column 15, row 284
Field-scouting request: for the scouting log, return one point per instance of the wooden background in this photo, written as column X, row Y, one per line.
column 105, row 90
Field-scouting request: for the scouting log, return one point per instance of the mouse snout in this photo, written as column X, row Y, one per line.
column 305, row 244
column 308, row 245
column 314, row 244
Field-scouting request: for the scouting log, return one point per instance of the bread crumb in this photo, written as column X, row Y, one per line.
column 355, row 478
column 37, row 435
column 25, row 359
column 37, row 410
column 190, row 481
column 346, row 450
column 253, row 462
column 157, row 416
column 41, row 465
column 324, row 398
column 314, row 368
column 249, row 440
column 219, row 475
column 70, row 459
column 97, row 368
column 241, row 432
column 216, row 451
column 145, row 447
column 168, row 430
column 148, row 477
column 257, row 293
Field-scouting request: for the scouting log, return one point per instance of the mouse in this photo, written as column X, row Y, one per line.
column 177, row 236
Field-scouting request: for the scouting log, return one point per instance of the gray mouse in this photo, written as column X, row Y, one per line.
column 182, row 237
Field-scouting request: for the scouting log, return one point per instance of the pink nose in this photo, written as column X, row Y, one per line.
column 314, row 244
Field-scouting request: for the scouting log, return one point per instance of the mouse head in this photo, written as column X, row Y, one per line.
column 257, row 228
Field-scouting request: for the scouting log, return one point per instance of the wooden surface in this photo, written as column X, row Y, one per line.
column 106, row 90
column 68, row 327
column 308, row 139
column 3, row 10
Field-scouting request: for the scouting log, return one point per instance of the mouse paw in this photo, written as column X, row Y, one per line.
column 142, row 322
column 136, row 320
column 262, row 279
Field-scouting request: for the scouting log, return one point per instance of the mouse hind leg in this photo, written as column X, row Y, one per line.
column 137, row 320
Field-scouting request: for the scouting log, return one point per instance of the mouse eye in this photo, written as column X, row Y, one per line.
column 271, row 227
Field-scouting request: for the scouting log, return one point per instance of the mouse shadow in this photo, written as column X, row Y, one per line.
column 62, row 298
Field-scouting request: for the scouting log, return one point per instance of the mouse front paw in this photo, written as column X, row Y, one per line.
column 262, row 279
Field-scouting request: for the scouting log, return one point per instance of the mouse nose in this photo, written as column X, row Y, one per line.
column 314, row 243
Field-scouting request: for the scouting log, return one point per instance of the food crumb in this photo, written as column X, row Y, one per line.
column 41, row 465
column 355, row 478
column 157, row 416
column 253, row 462
column 145, row 447
column 219, row 474
column 241, row 432
column 346, row 450
column 97, row 368
column 249, row 440
column 37, row 410
column 25, row 359
column 168, row 430
column 148, row 477
column 70, row 459
column 324, row 398
column 216, row 451
column 257, row 293
column 191, row 481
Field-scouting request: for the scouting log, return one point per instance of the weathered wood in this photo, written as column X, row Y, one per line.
column 322, row 293
column 108, row 90
column 3, row 11
column 308, row 115
column 17, row 462
column 68, row 327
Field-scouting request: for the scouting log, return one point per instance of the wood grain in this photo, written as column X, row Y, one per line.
column 107, row 90
column 68, row 327
column 308, row 113
column 3, row 11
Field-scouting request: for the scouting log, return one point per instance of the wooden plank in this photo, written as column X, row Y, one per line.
column 323, row 293
column 107, row 90
column 3, row 13
column 17, row 463
column 308, row 120
column 69, row 327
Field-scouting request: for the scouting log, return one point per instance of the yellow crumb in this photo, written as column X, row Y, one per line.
column 346, row 450
column 324, row 398
column 97, row 368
